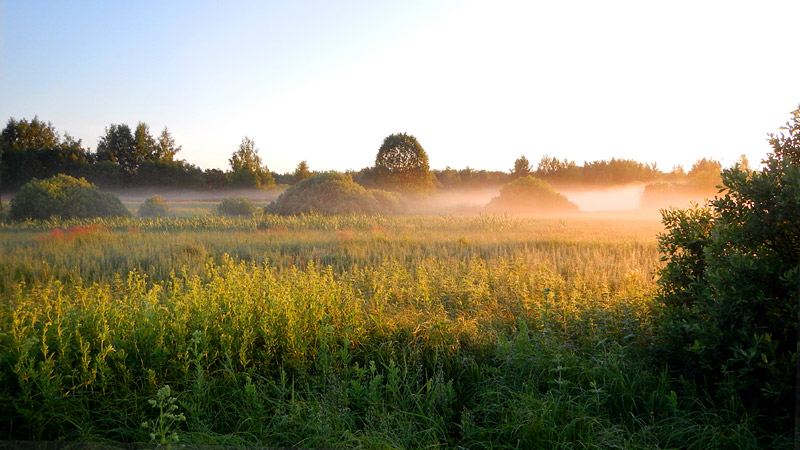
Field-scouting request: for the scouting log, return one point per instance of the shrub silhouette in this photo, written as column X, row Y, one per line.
column 154, row 206
column 66, row 197
column 236, row 206
column 333, row 193
column 529, row 194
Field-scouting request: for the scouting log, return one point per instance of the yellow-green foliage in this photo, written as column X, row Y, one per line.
column 333, row 193
column 530, row 195
column 154, row 206
column 340, row 331
column 66, row 197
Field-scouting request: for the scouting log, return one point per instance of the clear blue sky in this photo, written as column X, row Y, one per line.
column 478, row 83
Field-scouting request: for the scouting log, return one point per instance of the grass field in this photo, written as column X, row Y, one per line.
column 346, row 332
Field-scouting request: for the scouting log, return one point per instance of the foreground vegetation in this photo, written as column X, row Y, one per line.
column 348, row 331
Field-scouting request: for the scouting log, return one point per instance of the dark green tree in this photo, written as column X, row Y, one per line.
column 730, row 283
column 34, row 149
column 247, row 169
column 522, row 168
column 119, row 147
column 17, row 137
column 402, row 164
column 301, row 172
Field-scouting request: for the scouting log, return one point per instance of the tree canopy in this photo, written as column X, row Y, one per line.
column 402, row 164
column 522, row 167
column 246, row 167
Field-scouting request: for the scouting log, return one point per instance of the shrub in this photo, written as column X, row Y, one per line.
column 730, row 283
column 236, row 206
column 528, row 195
column 333, row 193
column 154, row 206
column 66, row 197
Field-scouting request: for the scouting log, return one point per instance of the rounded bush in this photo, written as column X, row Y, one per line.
column 333, row 193
column 154, row 206
column 66, row 197
column 236, row 206
column 530, row 195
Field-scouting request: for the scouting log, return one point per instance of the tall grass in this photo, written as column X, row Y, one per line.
column 348, row 331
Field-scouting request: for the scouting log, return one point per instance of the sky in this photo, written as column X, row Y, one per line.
column 477, row 83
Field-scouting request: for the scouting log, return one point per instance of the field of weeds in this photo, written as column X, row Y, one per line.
column 346, row 332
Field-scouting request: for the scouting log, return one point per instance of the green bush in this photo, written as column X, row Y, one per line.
column 66, row 197
column 236, row 206
column 333, row 193
column 530, row 195
column 154, row 206
column 730, row 283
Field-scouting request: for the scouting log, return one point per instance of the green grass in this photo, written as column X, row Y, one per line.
column 346, row 331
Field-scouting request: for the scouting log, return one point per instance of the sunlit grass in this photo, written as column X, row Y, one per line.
column 346, row 331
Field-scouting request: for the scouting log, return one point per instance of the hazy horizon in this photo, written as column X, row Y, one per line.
column 478, row 84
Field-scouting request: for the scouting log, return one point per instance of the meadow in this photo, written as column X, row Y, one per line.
column 349, row 331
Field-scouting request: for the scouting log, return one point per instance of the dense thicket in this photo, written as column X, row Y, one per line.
column 730, row 285
column 65, row 197
column 530, row 195
column 333, row 193
column 236, row 206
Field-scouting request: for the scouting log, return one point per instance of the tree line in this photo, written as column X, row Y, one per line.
column 133, row 157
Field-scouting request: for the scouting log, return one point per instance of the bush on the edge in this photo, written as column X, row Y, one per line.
column 154, row 206
column 333, row 193
column 66, row 197
column 530, row 195
column 236, row 206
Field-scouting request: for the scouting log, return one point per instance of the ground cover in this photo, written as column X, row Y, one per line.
column 348, row 331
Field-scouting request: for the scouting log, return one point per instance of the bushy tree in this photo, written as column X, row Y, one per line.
column 704, row 174
column 530, row 195
column 402, row 164
column 236, row 206
column 31, row 149
column 154, row 206
column 66, row 197
column 215, row 178
column 118, row 146
column 301, row 172
column 165, row 148
column 730, row 283
column 333, row 193
column 522, row 167
column 247, row 169
column 176, row 174
column 23, row 134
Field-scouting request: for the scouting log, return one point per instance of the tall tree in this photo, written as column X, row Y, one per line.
column 246, row 167
column 301, row 172
column 31, row 149
column 165, row 149
column 125, row 148
column 144, row 144
column 402, row 164
column 118, row 146
column 522, row 167
column 23, row 135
